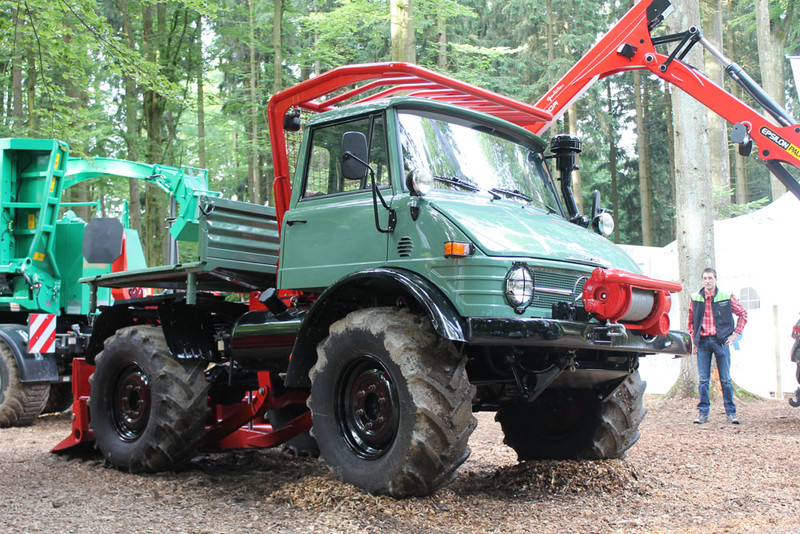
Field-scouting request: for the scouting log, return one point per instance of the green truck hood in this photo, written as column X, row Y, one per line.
column 509, row 229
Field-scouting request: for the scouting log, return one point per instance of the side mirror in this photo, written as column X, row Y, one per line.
column 354, row 155
column 602, row 221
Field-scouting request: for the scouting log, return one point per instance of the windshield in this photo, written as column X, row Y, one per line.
column 473, row 158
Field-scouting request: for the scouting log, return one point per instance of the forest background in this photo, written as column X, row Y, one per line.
column 187, row 83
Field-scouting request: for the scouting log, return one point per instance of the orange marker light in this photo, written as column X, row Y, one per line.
column 453, row 249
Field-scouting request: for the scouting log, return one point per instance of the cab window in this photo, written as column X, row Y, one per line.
column 324, row 171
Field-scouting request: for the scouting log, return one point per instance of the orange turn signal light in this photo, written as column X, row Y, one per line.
column 454, row 249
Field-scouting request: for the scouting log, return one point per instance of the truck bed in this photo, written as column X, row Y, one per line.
column 237, row 251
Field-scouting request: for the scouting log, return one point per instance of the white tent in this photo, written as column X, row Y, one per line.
column 757, row 258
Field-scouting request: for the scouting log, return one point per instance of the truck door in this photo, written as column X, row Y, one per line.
column 330, row 230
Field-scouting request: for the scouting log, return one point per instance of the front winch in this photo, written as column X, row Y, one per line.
column 638, row 302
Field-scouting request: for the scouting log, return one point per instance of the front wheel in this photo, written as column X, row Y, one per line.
column 20, row 403
column 147, row 410
column 391, row 403
column 575, row 425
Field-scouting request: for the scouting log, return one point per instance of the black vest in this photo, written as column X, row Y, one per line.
column 720, row 308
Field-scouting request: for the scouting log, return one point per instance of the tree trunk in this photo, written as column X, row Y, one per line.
column 740, row 185
column 643, row 151
column 131, row 135
column 770, row 59
column 693, row 188
column 16, row 79
column 30, row 86
column 277, row 49
column 441, row 24
column 718, row 127
column 253, row 182
column 549, row 76
column 76, row 99
column 201, row 112
column 404, row 46
column 671, row 148
column 154, row 107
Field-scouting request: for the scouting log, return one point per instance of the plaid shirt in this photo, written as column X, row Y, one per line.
column 707, row 327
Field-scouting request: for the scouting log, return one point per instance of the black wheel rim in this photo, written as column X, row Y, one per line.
column 130, row 402
column 367, row 409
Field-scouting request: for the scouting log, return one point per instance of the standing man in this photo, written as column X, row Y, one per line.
column 711, row 327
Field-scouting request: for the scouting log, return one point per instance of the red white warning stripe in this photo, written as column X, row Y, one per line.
column 41, row 333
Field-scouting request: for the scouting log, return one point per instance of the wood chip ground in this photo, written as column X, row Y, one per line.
column 679, row 477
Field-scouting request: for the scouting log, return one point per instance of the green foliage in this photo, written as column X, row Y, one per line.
column 64, row 65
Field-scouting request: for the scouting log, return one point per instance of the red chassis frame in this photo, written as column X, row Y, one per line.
column 230, row 426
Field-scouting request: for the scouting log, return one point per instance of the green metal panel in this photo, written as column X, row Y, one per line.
column 31, row 174
column 237, row 252
column 74, row 298
column 237, row 236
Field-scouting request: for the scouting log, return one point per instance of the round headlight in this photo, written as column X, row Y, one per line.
column 519, row 287
column 603, row 223
column 419, row 182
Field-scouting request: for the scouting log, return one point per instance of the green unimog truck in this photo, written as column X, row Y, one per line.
column 420, row 265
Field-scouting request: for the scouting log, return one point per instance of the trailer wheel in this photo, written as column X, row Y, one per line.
column 147, row 410
column 391, row 403
column 577, row 427
column 60, row 398
column 301, row 445
column 20, row 403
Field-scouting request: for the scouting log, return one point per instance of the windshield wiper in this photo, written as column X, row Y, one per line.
column 453, row 180
column 497, row 191
column 512, row 193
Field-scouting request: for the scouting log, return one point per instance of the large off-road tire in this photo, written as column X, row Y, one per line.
column 20, row 403
column 575, row 425
column 148, row 410
column 391, row 403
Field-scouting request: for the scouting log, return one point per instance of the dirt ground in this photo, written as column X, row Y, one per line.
column 679, row 477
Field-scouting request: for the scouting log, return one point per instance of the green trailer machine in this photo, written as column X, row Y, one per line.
column 45, row 249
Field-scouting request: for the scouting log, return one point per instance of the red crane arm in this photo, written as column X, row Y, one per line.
column 629, row 45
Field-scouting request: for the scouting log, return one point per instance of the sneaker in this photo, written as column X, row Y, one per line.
column 732, row 419
column 702, row 419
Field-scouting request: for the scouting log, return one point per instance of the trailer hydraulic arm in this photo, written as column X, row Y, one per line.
column 184, row 185
column 629, row 45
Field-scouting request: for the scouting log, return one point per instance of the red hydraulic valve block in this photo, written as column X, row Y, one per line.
column 638, row 302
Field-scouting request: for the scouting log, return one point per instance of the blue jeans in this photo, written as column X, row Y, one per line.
column 705, row 349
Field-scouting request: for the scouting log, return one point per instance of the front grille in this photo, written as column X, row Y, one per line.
column 558, row 286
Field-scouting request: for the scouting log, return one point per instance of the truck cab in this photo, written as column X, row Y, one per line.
column 410, row 215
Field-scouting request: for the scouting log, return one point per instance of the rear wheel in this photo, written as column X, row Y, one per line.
column 575, row 425
column 148, row 411
column 20, row 403
column 391, row 403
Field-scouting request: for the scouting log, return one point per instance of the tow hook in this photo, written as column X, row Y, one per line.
column 795, row 402
column 604, row 334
